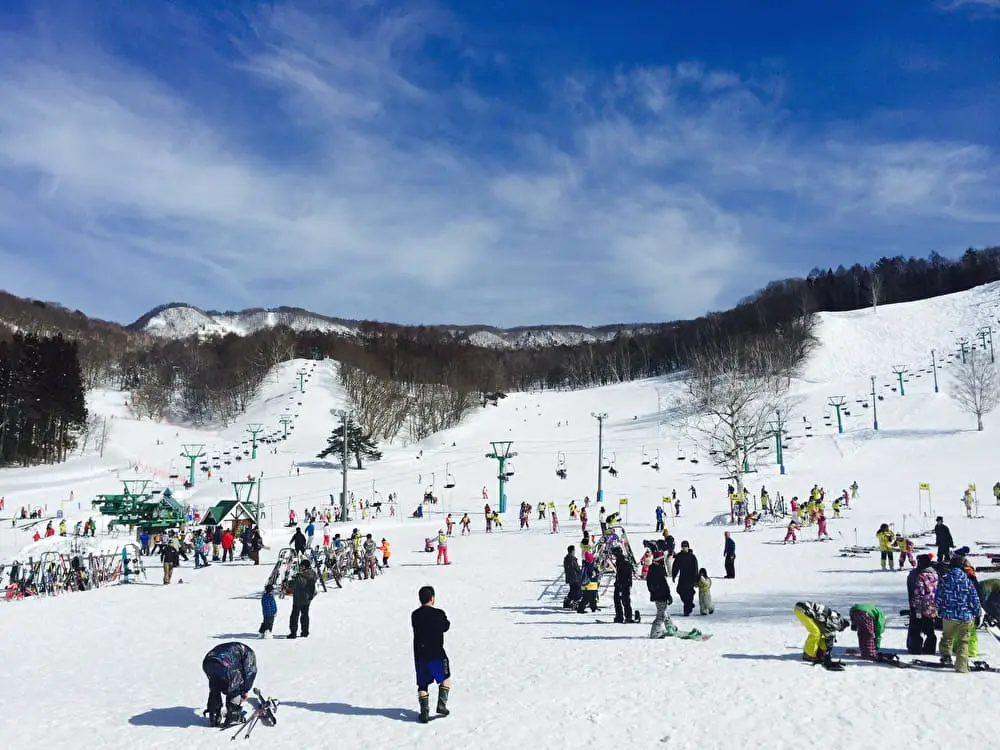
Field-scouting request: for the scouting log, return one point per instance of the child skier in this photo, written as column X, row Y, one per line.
column 886, row 537
column 466, row 522
column 821, row 522
column 555, row 522
column 442, row 548
column 645, row 561
column 905, row 547
column 790, row 532
column 386, row 553
column 269, row 608
column 705, row 593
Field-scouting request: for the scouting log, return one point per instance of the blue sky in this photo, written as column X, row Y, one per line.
column 486, row 161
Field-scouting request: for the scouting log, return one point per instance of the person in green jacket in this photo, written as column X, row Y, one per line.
column 869, row 623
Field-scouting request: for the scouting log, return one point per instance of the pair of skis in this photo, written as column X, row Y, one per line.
column 893, row 660
column 264, row 712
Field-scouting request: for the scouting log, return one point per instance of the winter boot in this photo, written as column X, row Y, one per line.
column 635, row 616
column 425, row 709
column 214, row 718
column 442, row 706
column 234, row 713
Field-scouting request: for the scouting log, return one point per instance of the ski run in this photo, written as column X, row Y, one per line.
column 120, row 665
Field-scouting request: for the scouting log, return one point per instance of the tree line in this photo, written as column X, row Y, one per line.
column 43, row 409
column 425, row 378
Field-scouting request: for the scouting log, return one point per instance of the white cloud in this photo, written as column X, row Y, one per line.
column 401, row 193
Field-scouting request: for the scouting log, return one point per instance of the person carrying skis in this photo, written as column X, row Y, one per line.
column 958, row 606
column 231, row 669
column 571, row 569
column 942, row 540
column 659, row 595
column 429, row 658
column 822, row 625
column 624, row 573
column 685, row 575
column 303, row 592
column 869, row 623
column 921, row 585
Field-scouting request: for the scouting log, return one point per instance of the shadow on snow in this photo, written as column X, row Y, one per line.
column 175, row 716
column 345, row 709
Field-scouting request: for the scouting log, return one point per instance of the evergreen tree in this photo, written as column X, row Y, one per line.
column 358, row 444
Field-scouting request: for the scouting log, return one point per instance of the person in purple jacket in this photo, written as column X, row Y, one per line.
column 958, row 606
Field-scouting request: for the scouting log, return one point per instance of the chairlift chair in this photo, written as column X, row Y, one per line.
column 680, row 453
column 645, row 457
column 509, row 470
column 449, row 480
column 613, row 468
column 655, row 466
column 561, row 465
column 605, row 464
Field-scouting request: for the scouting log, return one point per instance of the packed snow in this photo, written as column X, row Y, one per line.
column 121, row 665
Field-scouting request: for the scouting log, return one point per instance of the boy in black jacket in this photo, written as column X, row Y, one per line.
column 429, row 659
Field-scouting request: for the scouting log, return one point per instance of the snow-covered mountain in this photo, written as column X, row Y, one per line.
column 181, row 321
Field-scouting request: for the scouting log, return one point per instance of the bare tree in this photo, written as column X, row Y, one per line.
column 977, row 387
column 875, row 291
column 733, row 391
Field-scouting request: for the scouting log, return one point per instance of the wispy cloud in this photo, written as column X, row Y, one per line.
column 394, row 188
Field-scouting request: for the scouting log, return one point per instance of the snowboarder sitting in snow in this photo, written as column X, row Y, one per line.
column 869, row 623
column 231, row 669
column 822, row 624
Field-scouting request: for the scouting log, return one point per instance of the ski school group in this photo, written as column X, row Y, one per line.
column 944, row 595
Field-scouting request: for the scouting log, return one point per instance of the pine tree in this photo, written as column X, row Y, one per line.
column 358, row 444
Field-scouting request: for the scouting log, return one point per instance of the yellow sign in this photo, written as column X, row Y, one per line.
column 666, row 499
column 925, row 487
column 623, row 501
column 552, row 505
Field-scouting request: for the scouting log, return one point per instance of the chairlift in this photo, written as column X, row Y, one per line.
column 645, row 457
column 680, row 453
column 509, row 469
column 655, row 466
column 561, row 465
column 613, row 468
column 449, row 480
column 605, row 464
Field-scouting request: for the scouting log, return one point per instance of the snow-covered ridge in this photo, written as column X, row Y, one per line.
column 181, row 321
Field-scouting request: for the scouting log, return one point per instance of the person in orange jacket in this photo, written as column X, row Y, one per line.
column 386, row 553
column 228, row 543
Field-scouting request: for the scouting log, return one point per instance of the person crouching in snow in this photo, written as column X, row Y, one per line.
column 790, row 533
column 869, row 623
column 442, row 543
column 231, row 669
column 704, row 593
column 822, row 625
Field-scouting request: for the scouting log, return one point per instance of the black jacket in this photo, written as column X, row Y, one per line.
column 671, row 545
column 571, row 567
column 429, row 626
column 656, row 582
column 169, row 554
column 304, row 586
column 298, row 541
column 685, row 570
column 942, row 537
column 624, row 573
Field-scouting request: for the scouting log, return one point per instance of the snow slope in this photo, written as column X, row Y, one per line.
column 125, row 662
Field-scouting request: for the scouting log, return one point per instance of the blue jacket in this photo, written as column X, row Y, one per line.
column 268, row 605
column 144, row 538
column 659, row 513
column 310, row 530
column 956, row 597
column 233, row 666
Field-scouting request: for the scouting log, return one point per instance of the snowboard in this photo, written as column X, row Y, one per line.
column 688, row 635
